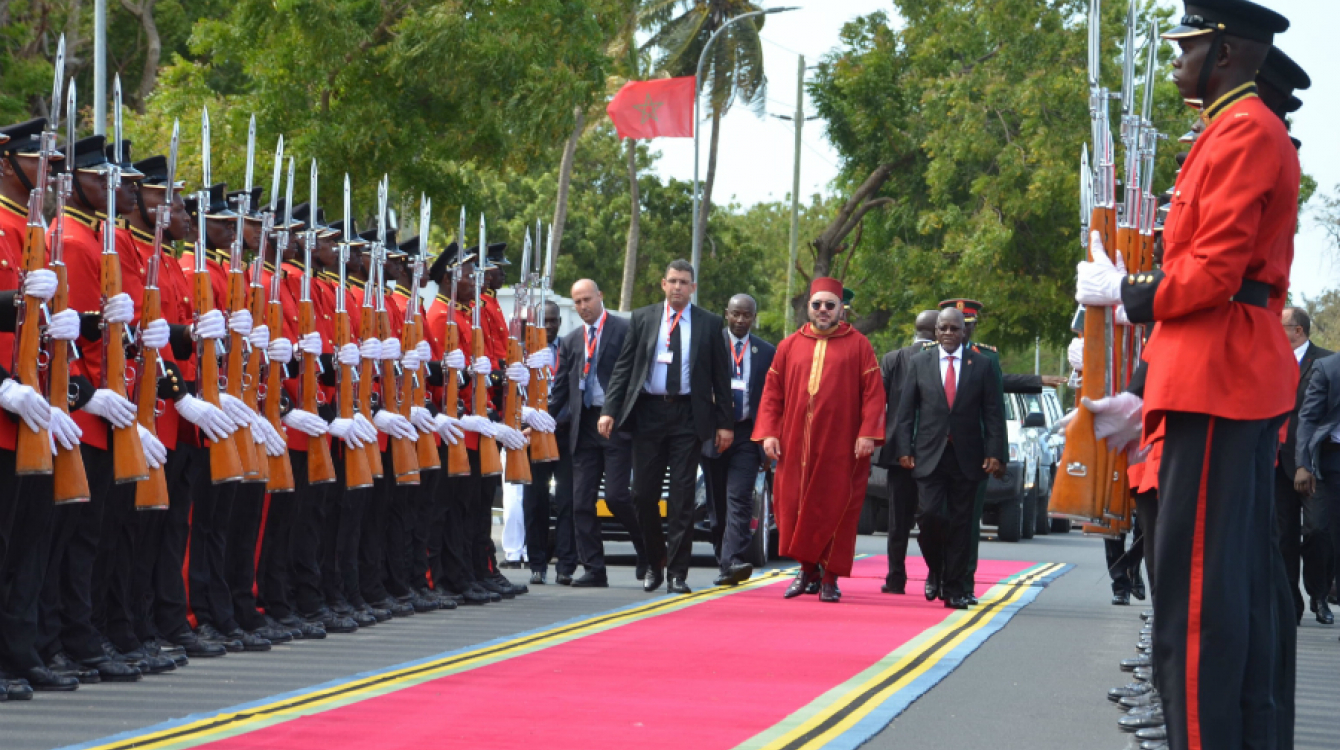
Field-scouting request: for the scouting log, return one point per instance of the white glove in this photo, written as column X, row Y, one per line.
column 1075, row 353
column 349, row 354
column 111, row 407
column 310, row 344
column 511, row 439
column 344, row 430
column 410, row 360
column 28, row 404
column 455, row 360
column 481, row 366
column 40, row 284
column 154, row 453
column 366, row 432
column 236, row 409
column 154, row 335
column 1117, row 419
column 64, row 430
column 239, row 322
column 538, row 420
column 541, row 359
column 517, row 373
column 448, row 428
column 280, row 351
column 209, row 418
column 264, row 433
column 305, row 422
column 422, row 418
column 1100, row 279
column 482, row 425
column 210, row 326
column 118, row 309
column 425, row 351
column 259, row 338
column 391, row 348
column 64, row 325
column 1119, row 315
column 393, row 424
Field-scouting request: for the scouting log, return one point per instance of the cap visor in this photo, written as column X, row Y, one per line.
column 1184, row 32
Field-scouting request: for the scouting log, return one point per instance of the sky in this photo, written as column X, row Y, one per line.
column 755, row 159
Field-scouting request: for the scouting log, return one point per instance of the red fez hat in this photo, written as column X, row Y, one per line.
column 826, row 284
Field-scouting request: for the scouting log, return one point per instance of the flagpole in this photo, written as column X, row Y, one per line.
column 697, row 79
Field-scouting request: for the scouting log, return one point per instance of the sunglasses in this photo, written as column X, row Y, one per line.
column 823, row 305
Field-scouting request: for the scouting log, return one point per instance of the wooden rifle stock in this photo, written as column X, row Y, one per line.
column 412, row 393
column 127, row 453
column 458, row 460
column 281, row 471
column 224, row 463
column 357, row 471
column 235, row 370
column 543, row 445
column 490, row 463
column 150, row 494
column 518, row 461
column 251, row 380
column 404, row 454
column 367, row 377
column 71, row 482
column 320, row 467
column 32, row 449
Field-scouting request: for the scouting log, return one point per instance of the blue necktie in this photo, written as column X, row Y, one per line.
column 737, row 395
column 586, row 392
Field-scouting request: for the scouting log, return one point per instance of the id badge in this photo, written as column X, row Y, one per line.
column 738, row 384
column 665, row 357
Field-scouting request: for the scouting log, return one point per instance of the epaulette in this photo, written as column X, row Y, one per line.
column 928, row 345
column 978, row 347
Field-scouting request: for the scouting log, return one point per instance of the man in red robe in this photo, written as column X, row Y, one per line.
column 820, row 418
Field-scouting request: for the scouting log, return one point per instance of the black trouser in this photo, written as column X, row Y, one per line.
column 665, row 441
column 166, row 538
column 305, row 553
column 341, row 528
column 114, row 568
column 1217, row 618
column 239, row 562
column 483, row 561
column 449, row 543
column 65, row 615
column 428, row 504
column 1304, row 541
column 902, row 495
column 974, row 537
column 398, row 538
column 1328, row 490
column 536, row 504
column 26, row 515
column 1147, row 510
column 944, row 514
column 612, row 459
column 274, row 575
column 730, row 480
column 211, row 601
column 372, row 549
column 1123, row 565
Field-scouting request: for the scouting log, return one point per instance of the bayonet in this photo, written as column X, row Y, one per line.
column 204, row 150
column 57, row 81
column 275, row 182
column 117, row 132
column 251, row 157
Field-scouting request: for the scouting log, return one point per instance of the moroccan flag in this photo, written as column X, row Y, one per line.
column 654, row 109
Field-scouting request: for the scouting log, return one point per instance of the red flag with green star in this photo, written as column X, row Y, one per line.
column 654, row 109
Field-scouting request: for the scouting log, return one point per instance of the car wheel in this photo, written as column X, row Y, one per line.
column 1060, row 525
column 1028, row 514
column 1010, row 520
column 761, row 544
column 865, row 525
column 1042, row 522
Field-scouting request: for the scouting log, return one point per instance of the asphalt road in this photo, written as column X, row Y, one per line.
column 1039, row 684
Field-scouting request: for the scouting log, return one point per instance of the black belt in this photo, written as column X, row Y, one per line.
column 666, row 397
column 1252, row 292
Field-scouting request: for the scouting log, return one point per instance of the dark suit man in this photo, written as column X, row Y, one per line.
column 950, row 435
column 535, row 497
column 585, row 366
column 1300, row 517
column 671, row 389
column 730, row 476
column 1318, row 449
column 901, row 487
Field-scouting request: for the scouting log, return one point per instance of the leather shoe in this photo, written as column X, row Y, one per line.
column 641, row 570
column 829, row 592
column 64, row 666
column 44, row 680
column 156, row 647
column 493, row 596
column 249, row 642
column 273, row 634
column 1121, row 598
column 1138, row 586
column 144, row 661
column 306, row 630
column 798, row 586
column 677, row 586
column 210, row 634
column 1141, row 701
column 474, row 597
column 1154, row 745
column 813, row 586
column 1129, row 691
column 363, row 618
column 1143, row 720
column 932, row 589
column 398, row 608
column 735, row 575
column 380, row 614
column 972, row 599
column 1152, row 734
column 493, row 587
column 1144, row 674
column 331, row 622
column 517, row 588
column 957, row 602
column 591, row 580
column 111, row 670
column 1132, row 664
column 653, row 579
column 889, row 588
column 1323, row 611
column 563, row 579
column 537, row 578
column 16, row 690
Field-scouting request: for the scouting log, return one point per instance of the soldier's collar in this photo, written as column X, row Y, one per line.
column 268, row 266
column 329, row 276
column 218, row 256
column 360, row 283
column 490, row 293
column 1221, row 105
column 402, row 290
column 87, row 219
column 297, row 265
column 14, row 206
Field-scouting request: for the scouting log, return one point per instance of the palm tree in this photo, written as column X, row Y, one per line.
column 733, row 73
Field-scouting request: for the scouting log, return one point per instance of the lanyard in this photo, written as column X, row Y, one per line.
column 591, row 342
column 669, row 311
column 738, row 357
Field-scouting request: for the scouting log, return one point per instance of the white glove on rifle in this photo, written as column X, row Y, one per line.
column 236, row 409
column 239, row 322
column 1100, row 279
column 1075, row 353
column 1117, row 419
column 111, row 407
column 455, row 359
column 538, row 420
column 482, row 425
column 391, row 348
column 519, row 374
column 393, row 424
column 349, row 354
column 306, row 423
column 154, row 453
column 541, row 359
column 481, row 366
column 448, row 428
column 344, row 430
column 259, row 338
column 511, row 439
column 118, row 309
column 64, row 430
column 28, row 404
column 422, row 418
column 40, row 284
column 64, row 325
column 154, row 335
column 1119, row 316
column 280, row 351
column 410, row 360
column 264, row 433
column 210, row 326
column 425, row 351
column 310, row 344
column 209, row 418
column 366, row 431
column 370, row 349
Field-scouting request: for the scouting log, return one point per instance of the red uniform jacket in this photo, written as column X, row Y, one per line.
column 13, row 230
column 435, row 327
column 175, row 293
column 323, row 304
column 494, row 323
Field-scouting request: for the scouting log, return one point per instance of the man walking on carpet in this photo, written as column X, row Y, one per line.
column 821, row 415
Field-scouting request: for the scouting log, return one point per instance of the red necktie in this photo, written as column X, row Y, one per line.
column 951, row 387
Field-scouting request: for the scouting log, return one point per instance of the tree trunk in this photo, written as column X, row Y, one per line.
column 564, row 179
column 152, row 55
column 706, row 204
column 634, row 232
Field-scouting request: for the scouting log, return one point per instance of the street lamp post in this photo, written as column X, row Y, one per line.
column 697, row 83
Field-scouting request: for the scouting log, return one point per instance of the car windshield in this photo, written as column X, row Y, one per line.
column 1009, row 407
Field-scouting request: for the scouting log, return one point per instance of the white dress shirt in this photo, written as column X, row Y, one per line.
column 655, row 384
column 730, row 337
column 1300, row 351
column 958, row 365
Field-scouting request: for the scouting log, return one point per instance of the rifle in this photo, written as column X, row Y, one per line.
column 458, row 460
column 490, row 463
column 33, row 448
column 320, row 468
column 543, row 445
column 236, row 357
column 153, row 492
column 404, row 455
column 69, row 478
column 281, row 470
column 224, row 463
column 357, row 471
column 518, row 461
column 413, row 392
column 367, row 368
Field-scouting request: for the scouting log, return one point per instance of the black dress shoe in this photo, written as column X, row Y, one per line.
column 972, row 599
column 1152, row 734
column 331, row 622
column 537, row 578
column 380, row 614
column 211, row 634
column 64, row 666
column 16, row 690
column 145, row 662
column 1134, row 663
column 1154, row 745
column 799, row 584
column 517, row 588
column 956, row 602
column 493, row 597
column 44, row 680
column 653, row 579
column 889, row 588
column 563, row 579
column 813, row 586
column 932, row 589
column 510, row 564
column 1138, row 586
column 111, row 670
column 397, row 608
column 1143, row 720
column 1121, row 598
column 1334, row 596
column 493, row 587
column 272, row 634
column 1141, row 701
column 641, row 570
column 1143, row 674
column 592, row 580
column 1128, row 691
column 363, row 618
column 157, row 647
column 735, row 575
column 677, row 586
column 1323, row 611
column 249, row 641
column 829, row 592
